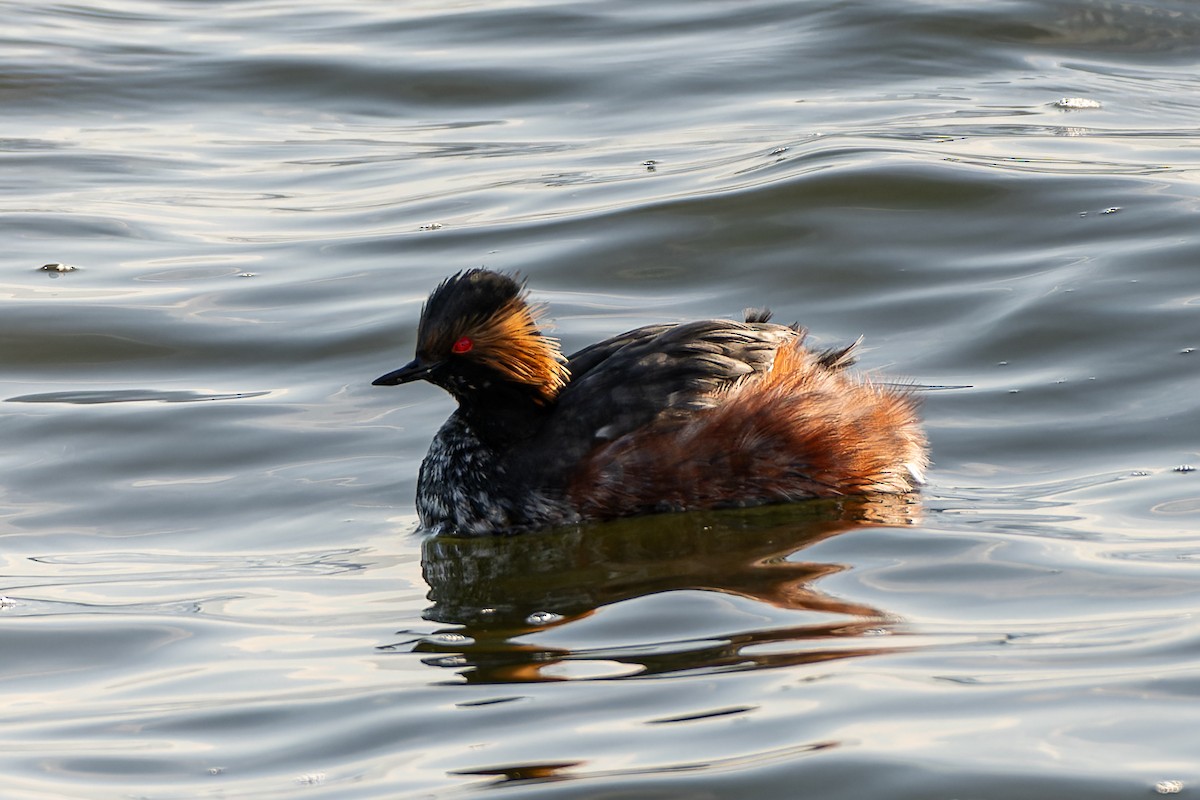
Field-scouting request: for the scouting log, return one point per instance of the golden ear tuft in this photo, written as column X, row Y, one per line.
column 509, row 342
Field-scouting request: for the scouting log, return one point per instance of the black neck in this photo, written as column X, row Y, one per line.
column 503, row 413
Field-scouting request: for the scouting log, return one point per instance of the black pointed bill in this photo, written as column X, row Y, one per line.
column 414, row 370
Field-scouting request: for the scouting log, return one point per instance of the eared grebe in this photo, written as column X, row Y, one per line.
column 700, row 414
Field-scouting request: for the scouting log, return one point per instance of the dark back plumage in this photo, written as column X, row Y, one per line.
column 658, row 372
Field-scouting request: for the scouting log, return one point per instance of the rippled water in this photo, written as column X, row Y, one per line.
column 211, row 583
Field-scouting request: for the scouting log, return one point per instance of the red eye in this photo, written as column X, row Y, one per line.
column 463, row 345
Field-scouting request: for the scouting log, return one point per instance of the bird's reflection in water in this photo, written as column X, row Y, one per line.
column 502, row 593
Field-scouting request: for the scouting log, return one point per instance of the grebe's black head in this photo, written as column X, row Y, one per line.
column 478, row 333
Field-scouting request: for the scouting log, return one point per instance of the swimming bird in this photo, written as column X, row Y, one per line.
column 706, row 414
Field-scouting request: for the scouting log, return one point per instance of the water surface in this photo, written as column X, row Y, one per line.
column 212, row 584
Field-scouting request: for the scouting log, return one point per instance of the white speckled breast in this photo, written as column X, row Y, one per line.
column 464, row 488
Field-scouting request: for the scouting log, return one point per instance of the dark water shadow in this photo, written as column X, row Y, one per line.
column 502, row 592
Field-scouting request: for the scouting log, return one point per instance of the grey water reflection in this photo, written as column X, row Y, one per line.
column 506, row 592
